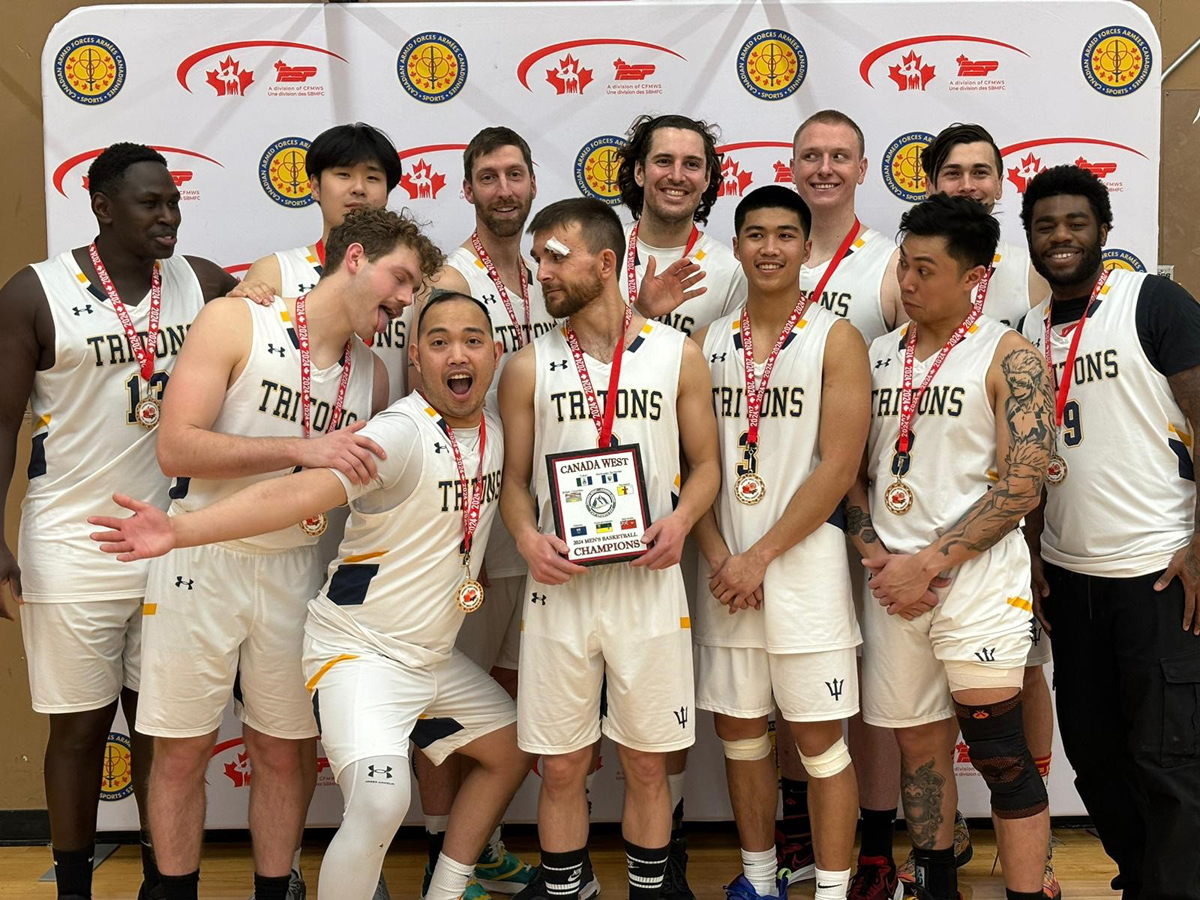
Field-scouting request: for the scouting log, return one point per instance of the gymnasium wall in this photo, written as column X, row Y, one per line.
column 1178, row 23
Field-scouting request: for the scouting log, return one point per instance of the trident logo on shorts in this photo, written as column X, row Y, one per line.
column 180, row 581
column 681, row 716
column 987, row 654
column 835, row 688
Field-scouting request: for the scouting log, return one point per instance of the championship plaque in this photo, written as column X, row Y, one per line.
column 599, row 503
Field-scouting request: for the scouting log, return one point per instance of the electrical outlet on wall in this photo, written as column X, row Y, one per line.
column 1166, row 271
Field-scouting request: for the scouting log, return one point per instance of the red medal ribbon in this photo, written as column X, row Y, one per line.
column 755, row 393
column 306, row 374
column 477, row 245
column 319, row 246
column 1064, row 389
column 472, row 497
column 142, row 352
column 908, row 400
column 604, row 421
column 836, row 260
column 631, row 258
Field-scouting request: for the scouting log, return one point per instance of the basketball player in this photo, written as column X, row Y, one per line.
column 959, row 445
column 498, row 180
column 858, row 264
column 779, row 617
column 669, row 178
column 68, row 353
column 625, row 623
column 253, row 386
column 1121, row 551
column 385, row 629
column 964, row 161
column 349, row 167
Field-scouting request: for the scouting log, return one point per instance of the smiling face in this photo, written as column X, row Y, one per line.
column 380, row 290
column 340, row 189
column 143, row 210
column 457, row 358
column 969, row 171
column 570, row 280
column 771, row 247
column 933, row 285
column 1065, row 239
column 674, row 175
column 501, row 189
column 827, row 165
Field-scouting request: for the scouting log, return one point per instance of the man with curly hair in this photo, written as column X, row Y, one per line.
column 669, row 179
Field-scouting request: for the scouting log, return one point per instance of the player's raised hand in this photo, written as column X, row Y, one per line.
column 350, row 453
column 256, row 291
column 662, row 293
column 546, row 556
column 145, row 534
column 10, row 583
column 666, row 539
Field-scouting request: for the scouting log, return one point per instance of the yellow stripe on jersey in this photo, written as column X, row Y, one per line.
column 737, row 324
column 479, row 264
column 363, row 557
column 149, row 609
column 312, row 682
column 647, row 328
column 993, row 475
column 311, row 260
column 974, row 328
column 83, row 279
column 286, row 317
column 996, row 259
column 685, row 622
column 676, row 480
column 858, row 243
column 1104, row 290
column 699, row 255
column 42, row 422
column 803, row 323
column 1182, row 435
column 1020, row 603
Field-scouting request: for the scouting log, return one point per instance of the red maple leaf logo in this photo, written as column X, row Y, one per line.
column 422, row 183
column 239, row 771
column 734, row 179
column 911, row 75
column 1100, row 170
column 229, row 79
column 783, row 172
column 569, row 77
column 1021, row 175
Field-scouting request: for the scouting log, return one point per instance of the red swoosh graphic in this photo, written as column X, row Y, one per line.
column 240, row 267
column 746, row 145
column 182, row 72
column 1041, row 142
column 864, row 67
column 61, row 172
column 429, row 148
column 527, row 62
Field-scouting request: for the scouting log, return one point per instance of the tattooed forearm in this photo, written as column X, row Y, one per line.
column 1029, row 416
column 858, row 524
column 923, row 793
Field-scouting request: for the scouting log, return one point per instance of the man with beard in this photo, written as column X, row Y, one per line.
column 1121, row 571
column 498, row 180
column 84, row 344
column 621, row 628
column 379, row 640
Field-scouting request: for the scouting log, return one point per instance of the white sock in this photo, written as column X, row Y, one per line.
column 296, row 860
column 450, row 879
column 832, row 885
column 759, row 867
column 675, row 785
column 436, row 824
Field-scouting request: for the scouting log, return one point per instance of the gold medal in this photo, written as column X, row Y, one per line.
column 469, row 594
column 315, row 526
column 899, row 498
column 1057, row 470
column 147, row 412
column 750, row 488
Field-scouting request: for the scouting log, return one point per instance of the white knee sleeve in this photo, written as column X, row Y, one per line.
column 829, row 763
column 377, row 793
column 748, row 749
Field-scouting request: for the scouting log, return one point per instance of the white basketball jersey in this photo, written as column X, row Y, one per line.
column 808, row 605
column 300, row 270
column 1008, row 290
column 724, row 280
column 392, row 589
column 854, row 291
column 645, row 410
column 1126, row 505
column 87, row 443
column 952, row 450
column 264, row 401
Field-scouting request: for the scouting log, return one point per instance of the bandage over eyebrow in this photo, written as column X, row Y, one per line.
column 557, row 246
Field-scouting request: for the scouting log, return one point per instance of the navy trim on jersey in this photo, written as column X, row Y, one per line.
column 37, row 456
column 430, row 731
column 348, row 586
column 179, row 488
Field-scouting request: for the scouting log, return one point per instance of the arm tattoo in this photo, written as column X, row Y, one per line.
column 1185, row 388
column 858, row 524
column 1029, row 411
column 923, row 793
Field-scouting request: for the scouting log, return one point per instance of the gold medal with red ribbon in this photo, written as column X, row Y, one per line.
column 490, row 267
column 315, row 526
column 631, row 258
column 900, row 497
column 1056, row 472
column 147, row 410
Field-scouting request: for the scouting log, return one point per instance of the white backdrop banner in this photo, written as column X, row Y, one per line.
column 232, row 95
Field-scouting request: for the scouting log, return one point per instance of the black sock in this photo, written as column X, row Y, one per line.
column 878, row 830
column 796, row 827
column 646, row 869
column 180, row 887
column 1010, row 894
column 677, row 820
column 435, row 839
column 271, row 888
column 149, row 863
column 562, row 872
column 73, row 871
column 936, row 872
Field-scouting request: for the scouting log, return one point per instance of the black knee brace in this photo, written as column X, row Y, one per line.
column 995, row 737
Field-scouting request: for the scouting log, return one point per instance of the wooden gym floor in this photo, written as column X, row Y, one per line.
column 227, row 874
